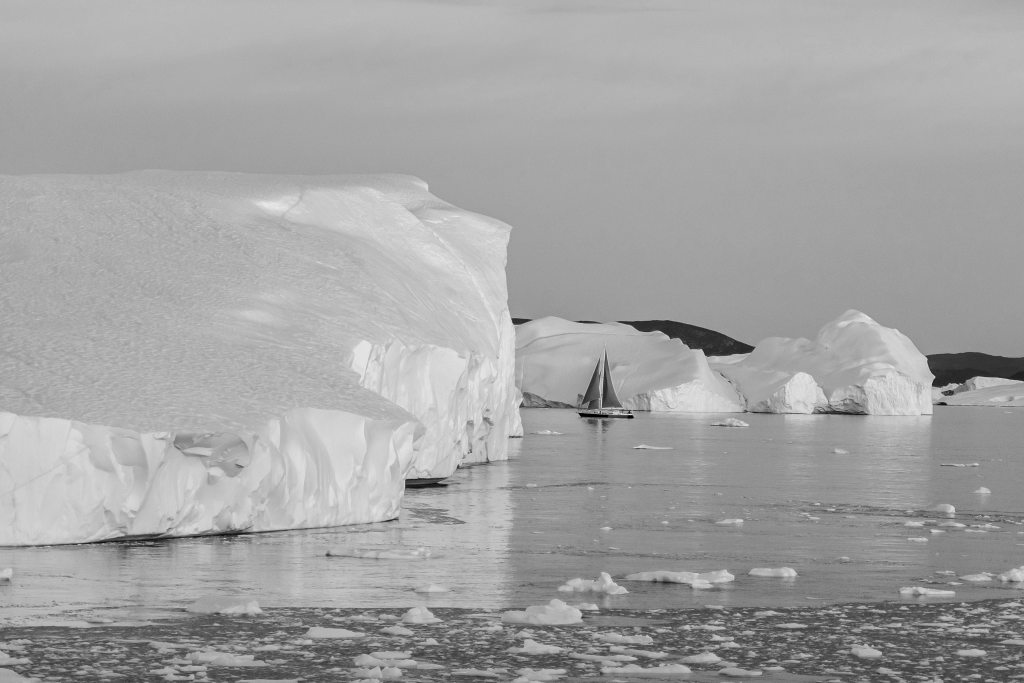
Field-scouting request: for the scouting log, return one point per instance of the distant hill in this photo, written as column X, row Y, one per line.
column 711, row 342
column 950, row 368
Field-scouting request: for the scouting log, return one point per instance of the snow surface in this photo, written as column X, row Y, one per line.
column 195, row 353
column 555, row 360
column 854, row 365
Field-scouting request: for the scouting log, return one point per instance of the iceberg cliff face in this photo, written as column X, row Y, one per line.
column 340, row 333
column 555, row 359
column 854, row 365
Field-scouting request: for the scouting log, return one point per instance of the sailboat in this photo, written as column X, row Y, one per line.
column 600, row 399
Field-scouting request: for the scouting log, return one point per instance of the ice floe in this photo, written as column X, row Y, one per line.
column 224, row 604
column 527, row 675
column 323, row 632
column 226, row 659
column 865, row 652
column 389, row 553
column 781, row 572
column 702, row 658
column 419, row 615
column 945, row 508
column 603, row 584
column 730, row 522
column 983, row 490
column 736, row 672
column 6, row 575
column 619, row 639
column 555, row 612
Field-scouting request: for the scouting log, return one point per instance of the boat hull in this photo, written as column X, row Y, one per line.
column 606, row 413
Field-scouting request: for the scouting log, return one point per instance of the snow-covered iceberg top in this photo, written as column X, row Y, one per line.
column 854, row 365
column 209, row 352
column 555, row 359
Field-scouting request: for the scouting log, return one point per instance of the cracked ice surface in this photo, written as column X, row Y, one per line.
column 193, row 353
column 854, row 365
column 555, row 359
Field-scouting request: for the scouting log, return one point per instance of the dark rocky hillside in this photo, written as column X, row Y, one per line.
column 950, row 368
column 711, row 342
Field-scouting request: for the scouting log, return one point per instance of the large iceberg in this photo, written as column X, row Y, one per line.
column 1000, row 394
column 196, row 353
column 555, row 359
column 854, row 365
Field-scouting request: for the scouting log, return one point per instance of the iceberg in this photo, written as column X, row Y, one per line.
column 976, row 383
column 992, row 392
column 203, row 353
column 651, row 372
column 854, row 365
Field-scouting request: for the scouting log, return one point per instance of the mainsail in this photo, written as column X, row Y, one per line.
column 610, row 399
column 592, row 399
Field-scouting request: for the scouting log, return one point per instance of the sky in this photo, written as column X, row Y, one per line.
column 756, row 168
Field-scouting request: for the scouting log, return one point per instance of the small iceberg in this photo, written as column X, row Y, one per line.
column 645, row 447
column 729, row 422
column 780, row 573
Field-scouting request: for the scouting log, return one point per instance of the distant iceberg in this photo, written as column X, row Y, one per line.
column 196, row 353
column 987, row 391
column 650, row 371
column 854, row 365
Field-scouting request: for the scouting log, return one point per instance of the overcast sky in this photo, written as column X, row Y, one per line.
column 753, row 167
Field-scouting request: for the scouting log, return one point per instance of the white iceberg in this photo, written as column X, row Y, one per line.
column 227, row 352
column 555, row 359
column 555, row 612
column 692, row 579
column 772, row 572
column 603, row 584
column 976, row 383
column 854, row 365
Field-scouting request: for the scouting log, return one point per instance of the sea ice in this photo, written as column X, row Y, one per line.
column 555, row 359
column 555, row 612
column 395, row 298
column 660, row 671
column 854, row 365
column 476, row 673
column 322, row 633
column 619, row 639
column 840, row 451
column 419, row 615
column 390, row 553
column 378, row 674
column 618, row 649
column 994, row 396
column 918, row 590
column 970, row 653
column 729, row 422
column 532, row 647
column 693, row 579
column 781, row 572
column 977, row 578
column 603, row 584
column 224, row 604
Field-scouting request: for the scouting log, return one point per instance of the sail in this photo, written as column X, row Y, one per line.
column 592, row 399
column 610, row 399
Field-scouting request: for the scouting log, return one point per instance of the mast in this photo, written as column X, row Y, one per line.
column 610, row 399
column 592, row 399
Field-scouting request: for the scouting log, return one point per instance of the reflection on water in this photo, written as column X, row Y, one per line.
column 510, row 533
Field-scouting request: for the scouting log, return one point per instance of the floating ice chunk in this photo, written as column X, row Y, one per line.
column 693, row 579
column 323, row 632
column 1012, row 641
column 728, row 522
column 547, row 432
column 918, row 539
column 953, row 525
column 945, row 508
column 729, row 422
column 702, row 658
column 604, row 584
column 660, row 671
column 791, row 625
column 1015, row 575
column 865, row 652
column 914, row 524
column 432, row 588
column 587, row 607
column 781, row 572
column 224, row 604
column 429, row 642
column 532, row 647
column 936, row 531
column 555, row 612
column 970, row 653
column 392, row 655
column 918, row 590
column 737, row 672
column 618, row 649
column 378, row 674
column 527, row 675
column 645, row 447
column 391, row 553
column 371, row 660
column 959, row 464
column 619, row 639
column 602, row 658
column 419, row 615
column 977, row 578
column 223, row 659
column 767, row 613
column 398, row 631
column 983, row 490
column 840, row 451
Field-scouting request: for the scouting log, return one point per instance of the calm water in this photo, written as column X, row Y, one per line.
column 509, row 533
